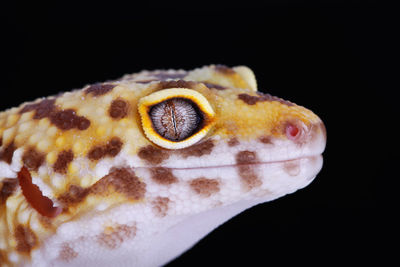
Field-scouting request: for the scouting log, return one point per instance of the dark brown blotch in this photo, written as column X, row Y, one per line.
column 117, row 236
column 233, row 142
column 163, row 176
column 63, row 159
column 111, row 149
column 8, row 187
column 42, row 109
column 118, row 109
column 153, row 155
column 249, row 177
column 176, row 84
column 205, row 187
column 252, row 100
column 121, row 180
column 214, row 86
column 26, row 239
column 265, row 139
column 160, row 206
column 197, row 150
column 246, row 157
column 8, row 152
column 68, row 119
column 3, row 258
column 74, row 195
column 99, row 89
column 32, row 159
column 247, row 173
column 224, row 70
column 145, row 81
column 67, row 253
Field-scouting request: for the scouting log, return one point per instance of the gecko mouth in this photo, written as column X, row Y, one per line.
column 248, row 163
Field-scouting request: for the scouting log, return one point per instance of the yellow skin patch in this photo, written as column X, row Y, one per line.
column 68, row 163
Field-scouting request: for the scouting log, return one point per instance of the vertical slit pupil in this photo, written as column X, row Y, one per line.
column 176, row 119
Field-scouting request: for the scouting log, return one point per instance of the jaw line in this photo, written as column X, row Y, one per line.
column 237, row 165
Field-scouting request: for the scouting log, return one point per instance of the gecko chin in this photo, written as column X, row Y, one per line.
column 182, row 206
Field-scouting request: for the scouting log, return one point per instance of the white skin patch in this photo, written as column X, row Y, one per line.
column 83, row 235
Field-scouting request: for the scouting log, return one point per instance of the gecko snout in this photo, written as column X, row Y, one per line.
column 312, row 135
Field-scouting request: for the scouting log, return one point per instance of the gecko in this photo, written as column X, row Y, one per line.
column 135, row 171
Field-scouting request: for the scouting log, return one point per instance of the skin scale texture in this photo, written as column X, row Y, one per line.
column 110, row 194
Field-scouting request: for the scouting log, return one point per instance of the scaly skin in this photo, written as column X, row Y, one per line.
column 85, row 179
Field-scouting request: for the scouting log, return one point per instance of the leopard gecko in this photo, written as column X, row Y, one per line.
column 135, row 171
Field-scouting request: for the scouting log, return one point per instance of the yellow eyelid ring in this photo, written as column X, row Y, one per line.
column 166, row 114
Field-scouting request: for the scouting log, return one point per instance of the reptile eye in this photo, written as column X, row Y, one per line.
column 175, row 118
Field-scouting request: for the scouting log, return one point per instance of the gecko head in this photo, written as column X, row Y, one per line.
column 184, row 156
column 256, row 141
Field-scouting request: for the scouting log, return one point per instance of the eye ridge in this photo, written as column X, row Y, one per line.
column 176, row 119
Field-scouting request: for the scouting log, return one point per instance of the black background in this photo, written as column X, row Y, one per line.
column 324, row 56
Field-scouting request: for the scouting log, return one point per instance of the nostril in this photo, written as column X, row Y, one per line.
column 293, row 131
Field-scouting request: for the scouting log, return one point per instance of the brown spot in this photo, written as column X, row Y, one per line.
column 214, row 86
column 252, row 100
column 26, row 239
column 63, row 159
column 3, row 258
column 67, row 119
column 160, row 206
column 64, row 119
column 247, row 172
column 7, row 153
column 99, row 89
column 67, row 253
column 153, row 155
column 112, row 148
column 233, row 142
column 74, row 195
column 205, row 187
column 249, row 177
column 265, row 139
column 42, row 109
column 113, row 238
column 121, row 180
column 1, row 141
column 32, row 159
column 292, row 167
column 197, row 150
column 9, row 185
column 224, row 69
column 118, row 109
column 163, row 176
column 246, row 157
column 46, row 222
column 145, row 81
column 164, row 75
column 176, row 84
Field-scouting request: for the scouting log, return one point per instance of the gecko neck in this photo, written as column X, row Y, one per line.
column 182, row 236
